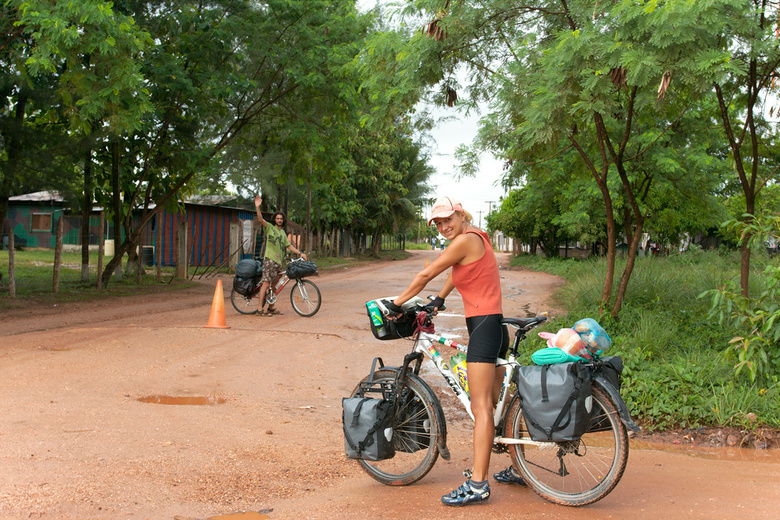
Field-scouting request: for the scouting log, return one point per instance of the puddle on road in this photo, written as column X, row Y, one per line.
column 189, row 401
column 771, row 456
column 247, row 515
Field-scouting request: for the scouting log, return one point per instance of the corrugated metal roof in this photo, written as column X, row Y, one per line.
column 38, row 196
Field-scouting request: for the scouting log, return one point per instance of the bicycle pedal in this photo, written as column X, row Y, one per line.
column 467, row 473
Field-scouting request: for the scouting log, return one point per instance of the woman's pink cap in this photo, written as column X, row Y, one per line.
column 444, row 207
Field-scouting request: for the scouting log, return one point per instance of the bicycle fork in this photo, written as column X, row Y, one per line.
column 400, row 384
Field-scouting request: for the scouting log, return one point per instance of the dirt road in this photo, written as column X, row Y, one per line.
column 78, row 442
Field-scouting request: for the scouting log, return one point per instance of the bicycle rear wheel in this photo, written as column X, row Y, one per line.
column 244, row 304
column 416, row 431
column 573, row 473
column 305, row 298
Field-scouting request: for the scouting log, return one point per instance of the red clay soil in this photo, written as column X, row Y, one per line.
column 81, row 436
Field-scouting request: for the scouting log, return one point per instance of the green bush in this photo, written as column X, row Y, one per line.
column 677, row 369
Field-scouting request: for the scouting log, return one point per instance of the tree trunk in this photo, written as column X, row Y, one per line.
column 139, row 269
column 307, row 235
column 86, row 211
column 11, row 265
column 115, row 266
column 158, row 243
column 57, row 256
column 632, row 252
column 101, row 249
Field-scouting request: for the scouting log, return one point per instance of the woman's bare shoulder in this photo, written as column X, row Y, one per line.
column 469, row 243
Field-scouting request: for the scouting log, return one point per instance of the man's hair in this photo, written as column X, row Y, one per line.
column 284, row 218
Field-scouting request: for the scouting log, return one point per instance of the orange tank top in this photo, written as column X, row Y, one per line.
column 478, row 282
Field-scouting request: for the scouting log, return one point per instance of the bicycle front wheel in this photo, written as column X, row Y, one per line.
column 573, row 473
column 416, row 432
column 305, row 298
column 243, row 304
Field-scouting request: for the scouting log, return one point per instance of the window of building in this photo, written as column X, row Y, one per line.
column 41, row 222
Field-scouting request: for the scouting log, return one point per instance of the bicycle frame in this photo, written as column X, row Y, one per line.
column 281, row 283
column 277, row 287
column 426, row 345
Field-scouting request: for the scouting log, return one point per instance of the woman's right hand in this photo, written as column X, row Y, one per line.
column 258, row 201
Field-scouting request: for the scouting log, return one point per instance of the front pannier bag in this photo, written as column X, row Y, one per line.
column 556, row 400
column 368, row 428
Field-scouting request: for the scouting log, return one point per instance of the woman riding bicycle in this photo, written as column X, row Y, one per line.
column 276, row 243
column 475, row 275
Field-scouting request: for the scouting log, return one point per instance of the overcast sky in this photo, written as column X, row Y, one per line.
column 474, row 193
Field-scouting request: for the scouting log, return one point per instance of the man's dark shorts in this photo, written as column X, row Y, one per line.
column 270, row 270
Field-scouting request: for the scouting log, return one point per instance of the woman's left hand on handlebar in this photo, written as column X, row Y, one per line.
column 393, row 310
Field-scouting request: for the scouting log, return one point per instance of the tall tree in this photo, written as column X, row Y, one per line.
column 746, row 89
column 217, row 70
column 578, row 76
column 69, row 68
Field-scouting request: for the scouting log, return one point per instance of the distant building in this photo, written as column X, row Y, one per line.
column 214, row 234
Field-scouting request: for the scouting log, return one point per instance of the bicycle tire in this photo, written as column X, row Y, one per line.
column 573, row 473
column 416, row 448
column 244, row 304
column 305, row 298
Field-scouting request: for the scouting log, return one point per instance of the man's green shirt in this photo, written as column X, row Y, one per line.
column 276, row 243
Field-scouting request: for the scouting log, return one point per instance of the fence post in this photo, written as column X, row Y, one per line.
column 101, row 249
column 11, row 268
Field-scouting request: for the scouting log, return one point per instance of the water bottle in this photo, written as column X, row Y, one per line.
column 458, row 363
column 376, row 318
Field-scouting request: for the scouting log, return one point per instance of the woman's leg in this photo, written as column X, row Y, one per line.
column 481, row 377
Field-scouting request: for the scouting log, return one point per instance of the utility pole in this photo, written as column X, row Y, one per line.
column 490, row 205
column 480, row 219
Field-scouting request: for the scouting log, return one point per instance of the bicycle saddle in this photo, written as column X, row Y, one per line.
column 523, row 323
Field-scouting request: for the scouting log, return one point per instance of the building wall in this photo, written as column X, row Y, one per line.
column 20, row 220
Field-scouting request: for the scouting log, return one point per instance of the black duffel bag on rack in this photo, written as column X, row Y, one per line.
column 301, row 269
column 248, row 274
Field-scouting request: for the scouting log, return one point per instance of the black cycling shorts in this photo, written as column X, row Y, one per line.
column 488, row 339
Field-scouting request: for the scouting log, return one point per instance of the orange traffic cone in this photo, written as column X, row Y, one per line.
column 217, row 318
column 426, row 262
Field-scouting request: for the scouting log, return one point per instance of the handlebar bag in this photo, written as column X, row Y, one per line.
column 301, row 269
column 384, row 328
column 556, row 400
column 368, row 428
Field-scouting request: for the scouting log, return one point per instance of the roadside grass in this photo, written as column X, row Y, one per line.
column 425, row 246
column 675, row 374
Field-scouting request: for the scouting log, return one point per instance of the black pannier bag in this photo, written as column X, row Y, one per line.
column 368, row 428
column 245, row 286
column 611, row 369
column 556, row 400
column 384, row 328
column 248, row 274
column 368, row 422
column 301, row 269
column 249, row 268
